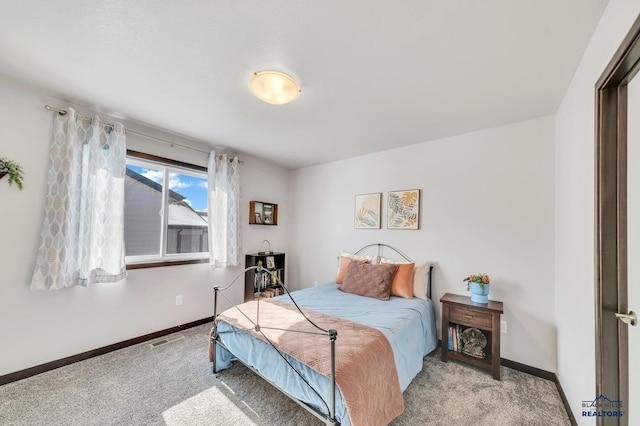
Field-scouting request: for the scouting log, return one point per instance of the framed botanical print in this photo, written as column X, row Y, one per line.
column 403, row 209
column 367, row 211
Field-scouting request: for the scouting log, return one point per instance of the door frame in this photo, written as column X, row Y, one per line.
column 612, row 366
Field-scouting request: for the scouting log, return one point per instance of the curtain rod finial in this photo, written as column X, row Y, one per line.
column 59, row 111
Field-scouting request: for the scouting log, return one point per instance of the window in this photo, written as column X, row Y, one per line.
column 165, row 214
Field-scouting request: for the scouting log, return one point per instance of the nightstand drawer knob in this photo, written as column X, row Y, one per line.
column 468, row 316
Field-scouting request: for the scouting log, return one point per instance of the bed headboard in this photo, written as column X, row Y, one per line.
column 379, row 247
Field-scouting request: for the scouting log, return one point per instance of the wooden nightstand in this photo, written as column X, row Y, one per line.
column 460, row 311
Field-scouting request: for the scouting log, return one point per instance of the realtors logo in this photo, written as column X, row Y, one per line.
column 602, row 407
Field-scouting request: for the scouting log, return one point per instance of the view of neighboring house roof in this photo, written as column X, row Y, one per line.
column 180, row 212
column 152, row 184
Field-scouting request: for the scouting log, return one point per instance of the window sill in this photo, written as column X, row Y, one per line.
column 165, row 263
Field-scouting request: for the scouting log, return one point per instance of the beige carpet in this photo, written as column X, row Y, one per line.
column 172, row 384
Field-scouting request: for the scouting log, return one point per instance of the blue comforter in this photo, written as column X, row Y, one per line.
column 408, row 324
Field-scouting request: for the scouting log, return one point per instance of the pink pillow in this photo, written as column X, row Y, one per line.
column 369, row 280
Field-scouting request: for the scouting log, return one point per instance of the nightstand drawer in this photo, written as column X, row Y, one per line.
column 469, row 316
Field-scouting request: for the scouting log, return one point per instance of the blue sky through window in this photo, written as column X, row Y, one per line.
column 193, row 188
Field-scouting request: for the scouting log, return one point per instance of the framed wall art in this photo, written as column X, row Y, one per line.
column 403, row 209
column 367, row 211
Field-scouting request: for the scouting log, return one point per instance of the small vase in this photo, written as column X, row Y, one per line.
column 478, row 294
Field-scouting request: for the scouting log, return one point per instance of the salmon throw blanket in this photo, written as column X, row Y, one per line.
column 365, row 368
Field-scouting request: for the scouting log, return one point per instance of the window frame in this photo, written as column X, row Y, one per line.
column 164, row 259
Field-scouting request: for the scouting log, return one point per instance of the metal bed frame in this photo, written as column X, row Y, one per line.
column 328, row 417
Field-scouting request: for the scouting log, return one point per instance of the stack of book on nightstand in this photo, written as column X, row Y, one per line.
column 455, row 338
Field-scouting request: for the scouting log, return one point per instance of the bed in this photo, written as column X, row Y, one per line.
column 344, row 357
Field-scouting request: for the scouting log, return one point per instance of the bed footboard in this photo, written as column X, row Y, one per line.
column 328, row 417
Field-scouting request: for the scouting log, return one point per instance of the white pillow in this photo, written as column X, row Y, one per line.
column 421, row 279
column 420, row 276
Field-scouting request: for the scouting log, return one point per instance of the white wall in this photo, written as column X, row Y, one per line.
column 574, row 273
column 486, row 206
column 490, row 202
column 39, row 326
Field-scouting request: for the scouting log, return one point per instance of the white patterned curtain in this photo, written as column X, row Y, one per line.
column 224, row 210
column 82, row 237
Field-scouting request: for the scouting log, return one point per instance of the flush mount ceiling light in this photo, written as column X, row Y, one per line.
column 274, row 87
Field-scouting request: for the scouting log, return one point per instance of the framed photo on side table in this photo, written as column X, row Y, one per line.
column 271, row 262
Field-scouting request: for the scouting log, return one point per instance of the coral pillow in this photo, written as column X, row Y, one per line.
column 369, row 280
column 402, row 284
column 420, row 276
column 342, row 269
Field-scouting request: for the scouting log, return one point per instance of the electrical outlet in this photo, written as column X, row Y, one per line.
column 503, row 327
column 315, row 283
column 179, row 300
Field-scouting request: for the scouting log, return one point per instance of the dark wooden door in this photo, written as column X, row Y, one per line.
column 615, row 194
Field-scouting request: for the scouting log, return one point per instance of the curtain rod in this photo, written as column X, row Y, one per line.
column 172, row 143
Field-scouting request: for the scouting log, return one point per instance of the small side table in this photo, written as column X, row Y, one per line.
column 460, row 310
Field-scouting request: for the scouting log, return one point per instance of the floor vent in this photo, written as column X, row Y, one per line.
column 166, row 340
